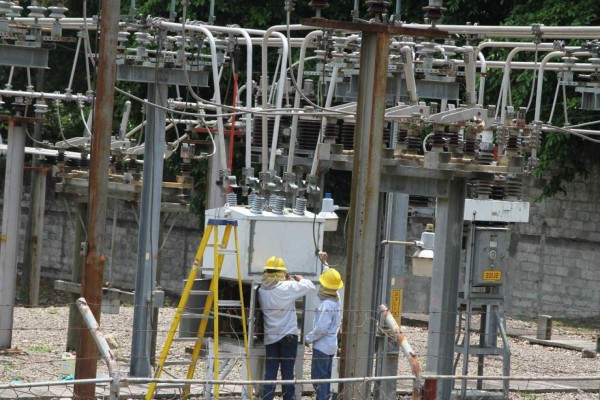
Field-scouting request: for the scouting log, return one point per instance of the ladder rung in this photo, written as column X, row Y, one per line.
column 232, row 316
column 187, row 339
column 188, row 362
column 170, row 385
column 195, row 315
column 201, row 292
column 227, row 251
column 230, row 303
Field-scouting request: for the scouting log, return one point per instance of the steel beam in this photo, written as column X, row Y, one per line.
column 148, row 246
column 392, row 282
column 9, row 241
column 75, row 322
column 92, row 280
column 444, row 285
column 358, row 327
column 23, row 56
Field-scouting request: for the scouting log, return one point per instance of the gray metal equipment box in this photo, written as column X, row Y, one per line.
column 490, row 256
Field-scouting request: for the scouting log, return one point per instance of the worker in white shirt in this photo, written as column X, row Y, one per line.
column 277, row 296
column 327, row 322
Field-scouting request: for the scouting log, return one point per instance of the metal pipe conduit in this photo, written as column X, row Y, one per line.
column 547, row 32
column 215, row 73
column 409, row 74
column 299, row 81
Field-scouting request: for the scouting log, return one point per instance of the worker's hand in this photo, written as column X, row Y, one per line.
column 298, row 278
column 323, row 257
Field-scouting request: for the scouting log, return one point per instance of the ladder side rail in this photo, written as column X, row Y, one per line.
column 181, row 306
column 243, row 310
column 207, row 307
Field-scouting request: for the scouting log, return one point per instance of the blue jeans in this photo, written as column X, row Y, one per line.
column 281, row 353
column 321, row 369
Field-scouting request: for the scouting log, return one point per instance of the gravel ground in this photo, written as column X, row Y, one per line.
column 39, row 338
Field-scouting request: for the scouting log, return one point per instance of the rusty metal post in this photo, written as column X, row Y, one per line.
column 92, row 278
column 357, row 331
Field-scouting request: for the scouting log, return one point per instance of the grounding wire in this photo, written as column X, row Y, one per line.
column 533, row 83
column 554, row 100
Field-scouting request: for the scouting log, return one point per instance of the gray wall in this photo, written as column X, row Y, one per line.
column 554, row 267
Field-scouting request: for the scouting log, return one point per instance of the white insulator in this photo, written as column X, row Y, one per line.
column 300, row 206
column 257, row 205
column 40, row 108
column 278, row 205
column 251, row 198
column 5, row 7
column 36, row 10
column 231, row 199
column 57, row 12
column 15, row 11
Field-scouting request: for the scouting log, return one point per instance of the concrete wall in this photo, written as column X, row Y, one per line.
column 555, row 259
column 554, row 266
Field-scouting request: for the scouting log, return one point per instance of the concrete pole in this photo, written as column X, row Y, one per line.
column 75, row 322
column 360, row 311
column 9, row 241
column 148, row 246
column 92, row 280
column 444, row 285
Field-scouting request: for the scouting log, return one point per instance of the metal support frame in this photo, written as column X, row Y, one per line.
column 393, row 283
column 9, row 241
column 363, row 225
column 148, row 244
column 444, row 285
column 75, row 322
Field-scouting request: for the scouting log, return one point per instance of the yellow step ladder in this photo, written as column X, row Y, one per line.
column 211, row 307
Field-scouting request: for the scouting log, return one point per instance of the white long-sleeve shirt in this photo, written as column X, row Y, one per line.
column 328, row 319
column 279, row 308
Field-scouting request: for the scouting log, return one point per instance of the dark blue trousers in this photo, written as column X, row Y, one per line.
column 281, row 353
column 321, row 369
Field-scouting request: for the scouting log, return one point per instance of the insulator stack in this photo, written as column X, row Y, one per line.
column 486, row 157
column 413, row 144
column 118, row 167
column 437, row 138
column 231, row 199
column 277, row 204
column 513, row 187
column 470, row 144
column 347, row 135
column 498, row 189
column 186, row 169
column 251, row 198
column 132, row 165
column 300, row 206
column 83, row 163
column 332, row 131
column 257, row 205
column 377, row 7
column 308, row 133
column 401, row 137
column 483, row 189
column 387, row 137
column 453, row 140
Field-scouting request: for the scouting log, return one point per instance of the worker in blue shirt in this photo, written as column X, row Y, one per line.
column 327, row 322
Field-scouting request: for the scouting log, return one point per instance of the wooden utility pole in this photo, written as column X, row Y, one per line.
column 93, row 275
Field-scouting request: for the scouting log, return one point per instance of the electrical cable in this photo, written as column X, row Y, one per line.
column 533, row 83
column 566, row 130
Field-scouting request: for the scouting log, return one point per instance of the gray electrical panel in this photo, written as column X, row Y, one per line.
column 490, row 255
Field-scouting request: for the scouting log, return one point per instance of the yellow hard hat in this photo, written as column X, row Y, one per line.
column 331, row 279
column 275, row 263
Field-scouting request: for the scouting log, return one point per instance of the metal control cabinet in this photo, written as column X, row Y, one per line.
column 289, row 236
column 490, row 255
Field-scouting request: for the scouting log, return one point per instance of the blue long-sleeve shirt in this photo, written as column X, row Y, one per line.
column 328, row 319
